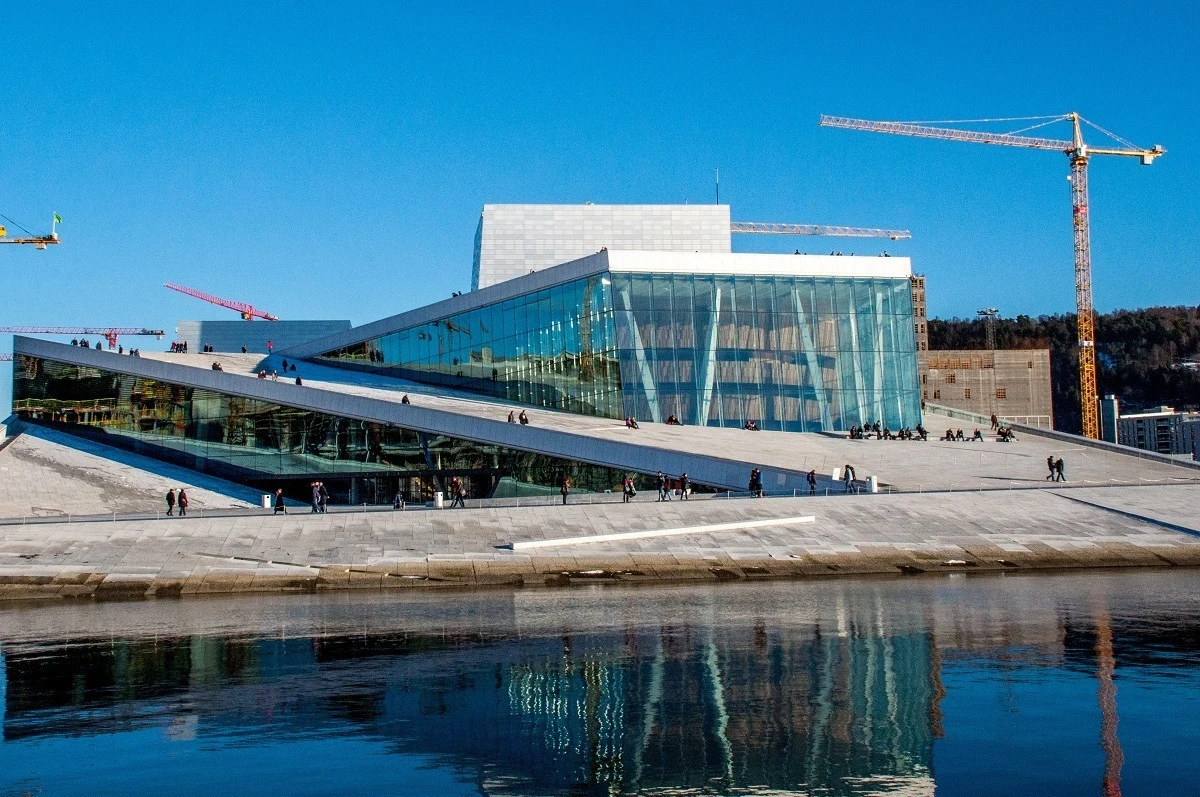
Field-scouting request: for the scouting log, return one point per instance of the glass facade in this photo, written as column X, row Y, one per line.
column 270, row 445
column 792, row 353
column 551, row 348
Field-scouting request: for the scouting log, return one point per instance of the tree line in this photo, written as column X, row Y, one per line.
column 1138, row 354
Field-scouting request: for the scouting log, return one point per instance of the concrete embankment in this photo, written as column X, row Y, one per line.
column 774, row 537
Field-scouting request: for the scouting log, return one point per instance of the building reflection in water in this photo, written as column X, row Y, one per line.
column 844, row 703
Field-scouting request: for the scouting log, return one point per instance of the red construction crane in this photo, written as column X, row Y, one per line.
column 1078, row 153
column 109, row 333
column 247, row 310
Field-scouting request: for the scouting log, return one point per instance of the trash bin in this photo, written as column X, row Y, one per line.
column 268, row 501
column 872, row 484
column 439, row 500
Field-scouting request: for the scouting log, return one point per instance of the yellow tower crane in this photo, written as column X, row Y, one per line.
column 1078, row 153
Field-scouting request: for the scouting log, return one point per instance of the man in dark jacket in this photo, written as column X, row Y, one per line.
column 171, row 501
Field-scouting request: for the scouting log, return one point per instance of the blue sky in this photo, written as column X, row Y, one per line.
column 321, row 161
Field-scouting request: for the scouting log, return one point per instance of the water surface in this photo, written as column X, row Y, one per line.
column 1073, row 684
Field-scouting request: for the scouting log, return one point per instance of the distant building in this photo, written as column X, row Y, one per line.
column 920, row 322
column 514, row 240
column 1012, row 384
column 233, row 335
column 1110, row 412
column 1162, row 430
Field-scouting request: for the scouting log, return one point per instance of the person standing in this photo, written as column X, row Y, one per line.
column 685, row 486
column 627, row 490
column 812, row 482
column 566, row 486
column 183, row 502
column 170, row 502
column 316, row 499
column 279, row 505
column 324, row 494
column 1060, row 472
column 995, row 422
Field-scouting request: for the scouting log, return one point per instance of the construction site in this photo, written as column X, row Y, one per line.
column 768, row 415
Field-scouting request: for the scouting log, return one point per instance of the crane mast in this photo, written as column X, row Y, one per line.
column 1078, row 153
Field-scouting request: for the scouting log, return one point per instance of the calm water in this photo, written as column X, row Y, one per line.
column 1079, row 684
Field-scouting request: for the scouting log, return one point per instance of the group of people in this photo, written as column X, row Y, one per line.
column 174, row 500
column 1003, row 433
column 631, row 423
column 320, row 498
column 179, row 347
column 882, row 432
column 1057, row 469
column 673, row 421
column 666, row 487
column 274, row 375
column 756, row 483
column 523, row 419
column 751, row 426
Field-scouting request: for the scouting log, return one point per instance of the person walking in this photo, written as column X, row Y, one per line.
column 183, row 502
column 523, row 418
column 316, row 498
column 279, row 505
column 170, row 502
column 812, row 482
column 995, row 422
column 566, row 486
column 685, row 486
column 512, row 416
column 324, row 495
column 1059, row 471
column 627, row 490
column 1053, row 471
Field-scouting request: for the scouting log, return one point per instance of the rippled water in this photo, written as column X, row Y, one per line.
column 1077, row 684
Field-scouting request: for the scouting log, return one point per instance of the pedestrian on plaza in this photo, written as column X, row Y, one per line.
column 316, row 498
column 405, row 400
column 523, row 418
column 512, row 416
column 299, row 381
column 285, row 366
column 243, row 350
column 456, row 493
column 324, row 493
column 1053, row 471
column 183, row 502
column 627, row 490
column 685, row 486
column 566, row 486
column 995, row 422
column 1059, row 471
column 812, row 482
column 270, row 346
column 279, row 505
column 171, row 502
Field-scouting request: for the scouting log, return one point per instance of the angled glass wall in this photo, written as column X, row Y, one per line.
column 267, row 445
column 551, row 348
column 790, row 353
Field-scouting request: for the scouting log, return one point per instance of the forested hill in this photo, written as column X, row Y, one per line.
column 1138, row 354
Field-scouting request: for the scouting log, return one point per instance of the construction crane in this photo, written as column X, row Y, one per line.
column 108, row 333
column 38, row 241
column 248, row 311
column 764, row 228
column 1078, row 153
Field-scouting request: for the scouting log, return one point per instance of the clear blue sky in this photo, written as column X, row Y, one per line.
column 326, row 162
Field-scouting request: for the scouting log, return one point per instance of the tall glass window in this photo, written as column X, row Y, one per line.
column 268, row 445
